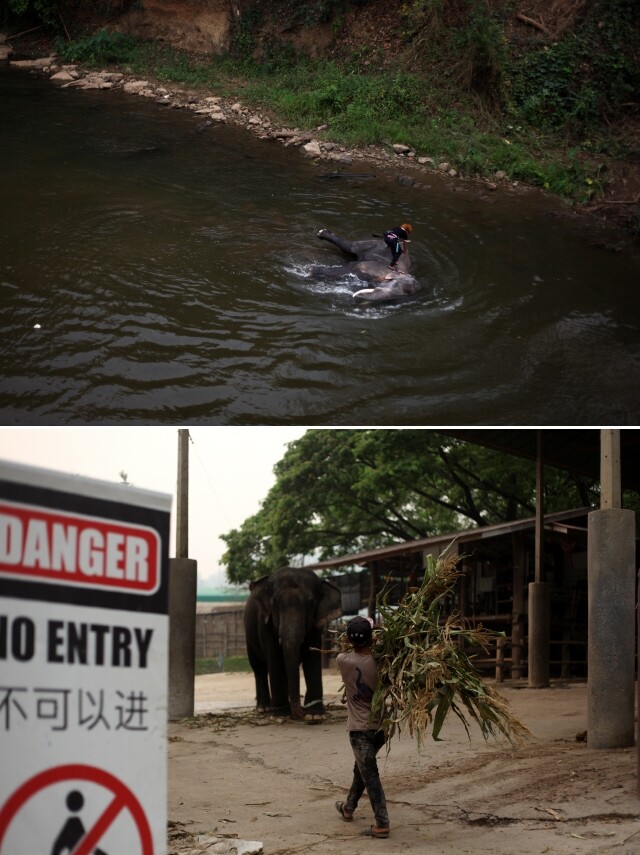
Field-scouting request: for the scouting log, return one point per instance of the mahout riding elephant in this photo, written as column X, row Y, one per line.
column 283, row 619
column 371, row 263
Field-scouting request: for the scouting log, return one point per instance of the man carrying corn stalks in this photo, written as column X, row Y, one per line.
column 360, row 676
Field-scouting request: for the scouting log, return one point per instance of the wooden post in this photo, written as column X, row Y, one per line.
column 610, row 479
column 539, row 593
column 500, row 643
column 373, row 590
column 565, row 665
column 463, row 603
column 517, row 618
column 539, row 508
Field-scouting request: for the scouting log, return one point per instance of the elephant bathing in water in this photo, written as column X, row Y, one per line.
column 283, row 619
column 372, row 259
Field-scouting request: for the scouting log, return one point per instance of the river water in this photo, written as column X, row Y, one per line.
column 155, row 273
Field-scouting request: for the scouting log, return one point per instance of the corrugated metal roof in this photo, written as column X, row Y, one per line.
column 574, row 449
column 441, row 540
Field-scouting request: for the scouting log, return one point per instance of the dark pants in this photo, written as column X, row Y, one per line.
column 393, row 242
column 366, row 744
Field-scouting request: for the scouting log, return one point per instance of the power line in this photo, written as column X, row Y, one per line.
column 211, row 484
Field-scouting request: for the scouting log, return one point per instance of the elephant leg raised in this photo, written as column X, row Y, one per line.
column 341, row 243
column 357, row 248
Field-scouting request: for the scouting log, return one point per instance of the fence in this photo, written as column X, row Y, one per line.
column 220, row 631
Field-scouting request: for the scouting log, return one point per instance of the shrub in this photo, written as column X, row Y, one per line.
column 585, row 76
column 99, row 49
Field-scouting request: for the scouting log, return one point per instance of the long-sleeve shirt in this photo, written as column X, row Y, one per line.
column 398, row 232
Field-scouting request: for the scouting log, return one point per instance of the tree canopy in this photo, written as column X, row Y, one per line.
column 340, row 491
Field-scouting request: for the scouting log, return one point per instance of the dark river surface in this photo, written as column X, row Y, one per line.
column 151, row 273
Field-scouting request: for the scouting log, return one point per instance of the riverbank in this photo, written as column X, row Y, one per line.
column 547, row 98
column 313, row 142
column 396, row 161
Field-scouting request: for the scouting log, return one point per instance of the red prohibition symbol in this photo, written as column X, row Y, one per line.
column 123, row 799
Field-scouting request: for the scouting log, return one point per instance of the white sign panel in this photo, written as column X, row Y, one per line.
column 83, row 666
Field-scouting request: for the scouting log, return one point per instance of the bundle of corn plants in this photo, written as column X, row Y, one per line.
column 424, row 671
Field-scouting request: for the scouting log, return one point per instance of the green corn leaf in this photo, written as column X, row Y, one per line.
column 424, row 671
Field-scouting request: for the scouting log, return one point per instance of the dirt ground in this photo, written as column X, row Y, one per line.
column 236, row 775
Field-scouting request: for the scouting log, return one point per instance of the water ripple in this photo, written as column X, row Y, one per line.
column 152, row 275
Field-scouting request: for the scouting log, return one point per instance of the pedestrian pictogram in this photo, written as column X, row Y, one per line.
column 73, row 830
column 75, row 836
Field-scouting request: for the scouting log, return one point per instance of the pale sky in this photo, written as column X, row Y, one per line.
column 230, row 471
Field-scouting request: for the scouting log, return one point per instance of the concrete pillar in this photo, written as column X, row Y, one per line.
column 611, row 647
column 538, row 635
column 183, row 574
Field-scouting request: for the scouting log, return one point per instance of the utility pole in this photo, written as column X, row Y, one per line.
column 183, row 572
column 539, row 589
column 182, row 498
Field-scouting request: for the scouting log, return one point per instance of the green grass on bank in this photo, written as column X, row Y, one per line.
column 363, row 107
column 232, row 664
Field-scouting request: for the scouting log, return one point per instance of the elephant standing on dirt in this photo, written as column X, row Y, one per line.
column 283, row 619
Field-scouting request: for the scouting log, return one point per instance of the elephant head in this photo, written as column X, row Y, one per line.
column 293, row 606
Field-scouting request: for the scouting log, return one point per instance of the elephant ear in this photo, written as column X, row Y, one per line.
column 329, row 604
column 260, row 591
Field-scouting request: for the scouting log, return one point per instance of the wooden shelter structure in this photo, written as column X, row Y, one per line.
column 612, row 456
column 497, row 563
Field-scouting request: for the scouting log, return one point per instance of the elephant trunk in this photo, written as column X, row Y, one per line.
column 291, row 641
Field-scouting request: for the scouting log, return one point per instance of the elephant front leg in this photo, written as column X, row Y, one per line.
column 261, row 675
column 312, row 670
column 331, row 272
column 278, row 682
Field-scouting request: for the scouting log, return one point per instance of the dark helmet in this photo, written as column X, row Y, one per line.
column 359, row 631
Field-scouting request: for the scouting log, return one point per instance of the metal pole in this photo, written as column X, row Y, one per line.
column 182, row 502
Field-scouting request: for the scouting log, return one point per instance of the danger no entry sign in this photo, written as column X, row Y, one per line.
column 83, row 665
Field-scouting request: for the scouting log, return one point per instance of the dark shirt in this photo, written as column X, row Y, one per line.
column 399, row 232
column 360, row 676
